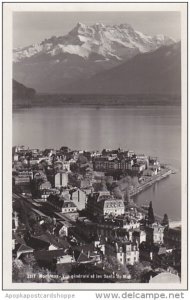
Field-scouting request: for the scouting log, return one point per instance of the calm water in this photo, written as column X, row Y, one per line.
column 154, row 131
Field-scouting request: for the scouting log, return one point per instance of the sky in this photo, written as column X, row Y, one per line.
column 33, row 27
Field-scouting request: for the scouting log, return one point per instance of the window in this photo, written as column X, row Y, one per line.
column 128, row 259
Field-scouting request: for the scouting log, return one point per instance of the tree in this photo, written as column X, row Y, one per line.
column 82, row 160
column 165, row 221
column 135, row 181
column 109, row 182
column 117, row 192
column 100, row 186
column 22, row 270
column 151, row 218
column 43, row 165
column 127, row 197
column 139, row 269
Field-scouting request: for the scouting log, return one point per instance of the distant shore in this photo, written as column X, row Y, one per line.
column 96, row 101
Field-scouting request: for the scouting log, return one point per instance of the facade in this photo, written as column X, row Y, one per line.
column 114, row 164
column 103, row 204
column 61, row 204
column 66, row 166
column 68, row 207
column 150, row 172
column 45, row 193
column 131, row 224
column 61, row 179
column 139, row 167
column 65, row 259
column 155, row 233
column 172, row 237
column 107, row 164
column 21, row 180
column 139, row 236
column 63, row 229
column 114, row 207
column 45, row 185
column 79, row 198
column 127, row 253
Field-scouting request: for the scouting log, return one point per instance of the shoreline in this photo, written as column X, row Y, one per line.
column 95, row 106
column 169, row 171
column 152, row 180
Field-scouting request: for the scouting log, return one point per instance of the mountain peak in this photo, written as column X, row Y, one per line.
column 110, row 41
column 83, row 52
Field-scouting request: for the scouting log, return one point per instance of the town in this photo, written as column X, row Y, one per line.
column 74, row 218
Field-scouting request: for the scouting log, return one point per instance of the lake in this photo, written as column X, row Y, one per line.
column 153, row 130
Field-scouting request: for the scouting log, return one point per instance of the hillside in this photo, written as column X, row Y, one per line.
column 157, row 72
column 22, row 95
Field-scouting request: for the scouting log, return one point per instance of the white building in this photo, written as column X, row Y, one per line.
column 61, row 179
column 127, row 253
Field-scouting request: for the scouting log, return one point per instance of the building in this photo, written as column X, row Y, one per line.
column 150, row 172
column 138, row 167
column 155, row 233
column 61, row 179
column 131, row 224
column 24, row 250
column 127, row 253
column 172, row 237
column 103, row 204
column 63, row 228
column 17, row 180
column 139, row 236
column 45, row 193
column 106, row 164
column 79, row 198
column 61, row 204
column 68, row 207
column 45, row 185
column 66, row 166
column 114, row 207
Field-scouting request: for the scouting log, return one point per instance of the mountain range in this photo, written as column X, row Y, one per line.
column 100, row 59
column 157, row 72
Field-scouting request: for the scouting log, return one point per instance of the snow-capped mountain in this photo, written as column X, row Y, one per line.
column 111, row 41
column 86, row 50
